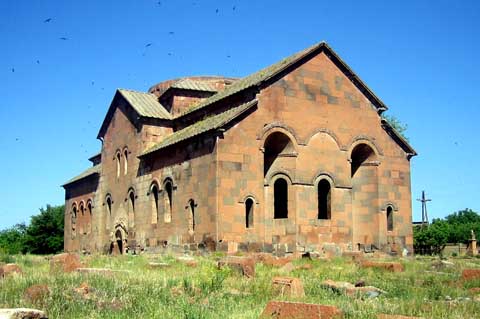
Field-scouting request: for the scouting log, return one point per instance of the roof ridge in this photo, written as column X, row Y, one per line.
column 95, row 169
column 135, row 91
column 211, row 122
column 253, row 78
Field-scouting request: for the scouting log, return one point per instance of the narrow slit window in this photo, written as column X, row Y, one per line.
column 389, row 218
column 125, row 168
column 168, row 196
column 280, row 199
column 249, row 213
column 109, row 205
column 324, row 199
column 154, row 201
column 89, row 209
column 118, row 164
column 191, row 216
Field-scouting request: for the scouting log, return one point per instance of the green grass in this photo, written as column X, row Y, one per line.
column 179, row 291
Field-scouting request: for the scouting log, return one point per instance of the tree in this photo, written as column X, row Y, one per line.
column 396, row 124
column 432, row 238
column 12, row 240
column 454, row 228
column 45, row 233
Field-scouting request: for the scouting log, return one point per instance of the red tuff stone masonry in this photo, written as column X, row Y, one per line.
column 294, row 158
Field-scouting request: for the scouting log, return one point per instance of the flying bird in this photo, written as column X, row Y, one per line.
column 159, row 3
column 63, row 38
column 148, row 45
column 233, row 8
column 47, row 20
column 228, row 56
column 216, row 11
column 169, row 53
column 13, row 70
column 171, row 32
column 38, row 61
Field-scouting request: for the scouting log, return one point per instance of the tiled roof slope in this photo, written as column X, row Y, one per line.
column 146, row 104
column 92, row 170
column 267, row 73
column 188, row 84
column 250, row 80
column 210, row 123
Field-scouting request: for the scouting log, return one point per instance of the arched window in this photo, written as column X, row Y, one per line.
column 117, row 157
column 360, row 154
column 89, row 216
column 191, row 216
column 249, row 213
column 81, row 226
column 276, row 145
column 324, row 199
column 168, row 200
column 74, row 220
column 280, row 199
column 389, row 218
column 125, row 155
column 154, row 202
column 109, row 205
column 131, row 207
column 82, row 209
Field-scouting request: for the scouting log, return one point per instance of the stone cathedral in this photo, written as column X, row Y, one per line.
column 293, row 158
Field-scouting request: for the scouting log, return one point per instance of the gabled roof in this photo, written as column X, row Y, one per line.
column 397, row 137
column 210, row 123
column 89, row 172
column 146, row 105
column 188, row 84
column 260, row 77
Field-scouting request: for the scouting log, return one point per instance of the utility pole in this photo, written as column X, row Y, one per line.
column 424, row 209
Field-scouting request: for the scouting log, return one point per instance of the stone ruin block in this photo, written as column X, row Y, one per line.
column 297, row 310
column 66, row 262
column 389, row 266
column 245, row 266
column 288, row 286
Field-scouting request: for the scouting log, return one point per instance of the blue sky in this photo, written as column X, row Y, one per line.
column 419, row 57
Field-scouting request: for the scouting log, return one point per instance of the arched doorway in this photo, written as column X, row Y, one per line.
column 119, row 242
column 364, row 179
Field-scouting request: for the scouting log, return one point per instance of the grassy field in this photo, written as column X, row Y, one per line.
column 181, row 291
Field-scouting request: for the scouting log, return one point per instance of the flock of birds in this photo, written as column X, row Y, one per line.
column 147, row 45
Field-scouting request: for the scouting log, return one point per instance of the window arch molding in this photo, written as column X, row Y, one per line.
column 281, row 128
column 324, row 175
column 81, row 207
column 249, row 196
column 74, row 209
column 89, row 203
column 271, row 177
column 131, row 190
column 363, row 140
column 153, row 184
column 389, row 204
